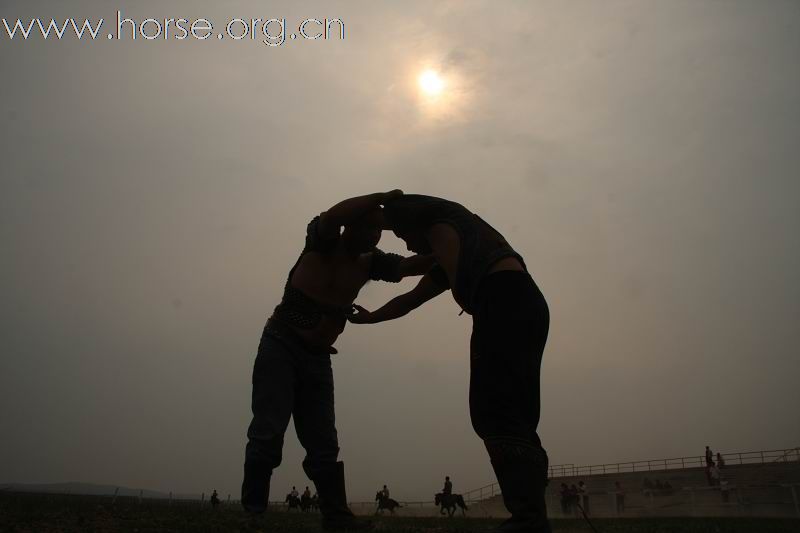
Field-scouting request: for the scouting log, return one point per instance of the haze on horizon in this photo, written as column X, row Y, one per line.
column 642, row 156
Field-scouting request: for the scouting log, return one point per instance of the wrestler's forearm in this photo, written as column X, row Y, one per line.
column 401, row 305
column 394, row 308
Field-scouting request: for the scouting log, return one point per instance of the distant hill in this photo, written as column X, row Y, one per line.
column 90, row 489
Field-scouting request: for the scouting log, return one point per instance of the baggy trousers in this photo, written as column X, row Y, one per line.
column 289, row 380
column 510, row 325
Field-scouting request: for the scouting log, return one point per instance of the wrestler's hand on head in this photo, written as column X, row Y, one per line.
column 359, row 315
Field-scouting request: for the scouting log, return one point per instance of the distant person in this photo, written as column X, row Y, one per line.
column 294, row 493
column 385, row 492
column 619, row 497
column 307, row 493
column 490, row 281
column 566, row 499
column 720, row 460
column 709, row 456
column 214, row 499
column 583, row 492
column 292, row 374
column 574, row 500
column 448, row 486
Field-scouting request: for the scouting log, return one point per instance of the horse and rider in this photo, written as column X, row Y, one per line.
column 304, row 503
column 308, row 502
column 385, row 502
column 293, row 500
column 448, row 501
column 214, row 499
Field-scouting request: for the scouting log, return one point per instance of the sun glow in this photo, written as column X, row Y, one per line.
column 440, row 91
column 431, row 83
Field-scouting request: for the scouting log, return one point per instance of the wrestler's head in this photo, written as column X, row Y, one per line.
column 362, row 236
column 415, row 240
column 407, row 219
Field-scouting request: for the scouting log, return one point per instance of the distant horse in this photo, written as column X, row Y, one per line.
column 449, row 502
column 385, row 503
column 293, row 502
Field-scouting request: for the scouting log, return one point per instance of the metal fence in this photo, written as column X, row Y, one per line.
column 651, row 465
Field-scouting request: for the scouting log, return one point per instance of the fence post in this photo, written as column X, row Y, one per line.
column 116, row 491
column 794, row 497
column 170, row 499
column 229, row 498
column 140, row 496
column 202, row 499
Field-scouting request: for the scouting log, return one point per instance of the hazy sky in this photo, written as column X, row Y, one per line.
column 643, row 156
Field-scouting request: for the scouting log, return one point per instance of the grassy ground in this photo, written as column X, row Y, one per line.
column 35, row 513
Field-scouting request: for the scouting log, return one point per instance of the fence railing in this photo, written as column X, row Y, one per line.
column 790, row 454
column 679, row 463
column 652, row 465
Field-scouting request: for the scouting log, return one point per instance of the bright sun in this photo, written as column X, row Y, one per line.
column 431, row 83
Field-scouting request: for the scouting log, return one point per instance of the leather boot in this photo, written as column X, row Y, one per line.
column 521, row 470
column 336, row 515
column 255, row 490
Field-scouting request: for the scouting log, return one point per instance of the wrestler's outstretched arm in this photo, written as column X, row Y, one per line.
column 350, row 210
column 401, row 305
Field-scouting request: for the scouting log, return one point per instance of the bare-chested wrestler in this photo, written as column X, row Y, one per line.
column 292, row 375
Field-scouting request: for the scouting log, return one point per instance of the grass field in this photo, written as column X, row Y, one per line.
column 38, row 513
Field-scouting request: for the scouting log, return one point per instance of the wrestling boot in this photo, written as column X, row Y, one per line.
column 255, row 490
column 336, row 516
column 521, row 470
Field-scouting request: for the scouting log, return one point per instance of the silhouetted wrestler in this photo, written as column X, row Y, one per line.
column 292, row 373
column 510, row 317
